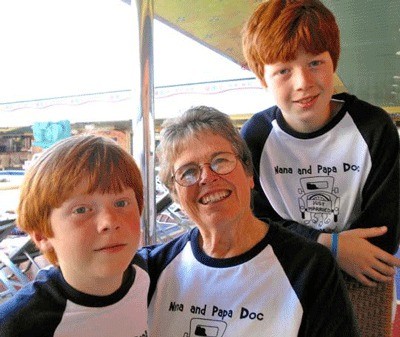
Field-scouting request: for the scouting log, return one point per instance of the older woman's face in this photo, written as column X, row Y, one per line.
column 214, row 199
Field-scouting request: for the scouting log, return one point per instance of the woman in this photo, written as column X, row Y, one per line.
column 234, row 275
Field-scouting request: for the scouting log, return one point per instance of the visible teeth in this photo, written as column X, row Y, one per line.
column 214, row 197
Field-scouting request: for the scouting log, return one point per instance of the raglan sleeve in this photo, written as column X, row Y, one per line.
column 328, row 310
column 381, row 193
column 255, row 133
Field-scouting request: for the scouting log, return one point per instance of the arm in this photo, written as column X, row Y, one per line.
column 328, row 310
column 363, row 253
column 365, row 250
column 263, row 210
column 380, row 196
column 361, row 259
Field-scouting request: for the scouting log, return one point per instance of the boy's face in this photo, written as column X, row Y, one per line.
column 95, row 238
column 303, row 89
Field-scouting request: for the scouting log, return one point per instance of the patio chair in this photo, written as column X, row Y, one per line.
column 15, row 263
column 6, row 227
column 170, row 221
column 372, row 306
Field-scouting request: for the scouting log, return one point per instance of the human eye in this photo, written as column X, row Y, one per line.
column 222, row 162
column 221, row 159
column 315, row 63
column 122, row 203
column 81, row 210
column 187, row 172
column 281, row 71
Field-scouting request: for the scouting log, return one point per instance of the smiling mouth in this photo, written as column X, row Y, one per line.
column 307, row 100
column 215, row 197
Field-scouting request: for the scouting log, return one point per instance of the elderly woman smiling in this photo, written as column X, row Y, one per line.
column 234, row 275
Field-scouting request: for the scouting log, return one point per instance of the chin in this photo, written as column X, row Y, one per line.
column 113, row 268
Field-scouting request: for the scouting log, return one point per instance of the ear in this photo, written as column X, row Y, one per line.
column 251, row 182
column 42, row 241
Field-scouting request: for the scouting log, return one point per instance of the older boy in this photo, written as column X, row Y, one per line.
column 81, row 203
column 329, row 163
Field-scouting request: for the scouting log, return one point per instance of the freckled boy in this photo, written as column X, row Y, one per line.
column 81, row 203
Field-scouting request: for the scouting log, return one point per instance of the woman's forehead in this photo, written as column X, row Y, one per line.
column 200, row 147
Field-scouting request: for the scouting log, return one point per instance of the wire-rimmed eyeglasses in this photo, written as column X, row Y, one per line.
column 222, row 163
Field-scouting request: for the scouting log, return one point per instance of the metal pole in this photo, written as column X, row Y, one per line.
column 143, row 123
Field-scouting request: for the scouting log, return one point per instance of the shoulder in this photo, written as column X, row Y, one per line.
column 259, row 121
column 256, row 130
column 310, row 267
column 34, row 306
column 163, row 250
column 156, row 258
column 292, row 249
column 375, row 125
column 364, row 112
column 33, row 294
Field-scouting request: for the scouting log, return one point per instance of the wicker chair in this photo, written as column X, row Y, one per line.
column 372, row 306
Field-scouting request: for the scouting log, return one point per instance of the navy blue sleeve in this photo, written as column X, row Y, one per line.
column 381, row 193
column 255, row 133
column 318, row 282
column 157, row 257
column 34, row 311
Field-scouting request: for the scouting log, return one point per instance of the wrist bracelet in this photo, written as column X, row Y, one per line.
column 334, row 244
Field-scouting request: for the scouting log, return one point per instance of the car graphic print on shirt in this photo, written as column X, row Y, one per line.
column 318, row 204
column 206, row 327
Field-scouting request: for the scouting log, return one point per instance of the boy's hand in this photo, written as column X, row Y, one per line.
column 363, row 260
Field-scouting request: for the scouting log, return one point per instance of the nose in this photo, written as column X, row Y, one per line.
column 107, row 220
column 207, row 175
column 303, row 79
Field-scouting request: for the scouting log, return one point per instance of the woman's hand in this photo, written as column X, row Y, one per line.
column 360, row 258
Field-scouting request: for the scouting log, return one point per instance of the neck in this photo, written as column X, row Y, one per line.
column 316, row 123
column 95, row 286
column 232, row 241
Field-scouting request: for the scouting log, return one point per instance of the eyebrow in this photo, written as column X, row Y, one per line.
column 213, row 155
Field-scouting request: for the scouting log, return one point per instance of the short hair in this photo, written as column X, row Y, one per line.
column 177, row 131
column 52, row 178
column 278, row 28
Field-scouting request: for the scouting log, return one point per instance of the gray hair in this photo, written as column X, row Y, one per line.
column 177, row 131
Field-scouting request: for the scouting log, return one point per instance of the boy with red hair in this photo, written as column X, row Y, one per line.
column 81, row 203
column 326, row 163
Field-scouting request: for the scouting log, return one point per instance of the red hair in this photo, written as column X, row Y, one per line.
column 53, row 178
column 279, row 28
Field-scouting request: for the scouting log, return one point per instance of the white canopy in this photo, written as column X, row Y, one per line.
column 74, row 60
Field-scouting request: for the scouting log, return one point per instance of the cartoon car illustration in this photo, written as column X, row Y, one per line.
column 318, row 202
column 206, row 327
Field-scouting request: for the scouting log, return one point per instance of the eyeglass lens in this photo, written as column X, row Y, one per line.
column 222, row 163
